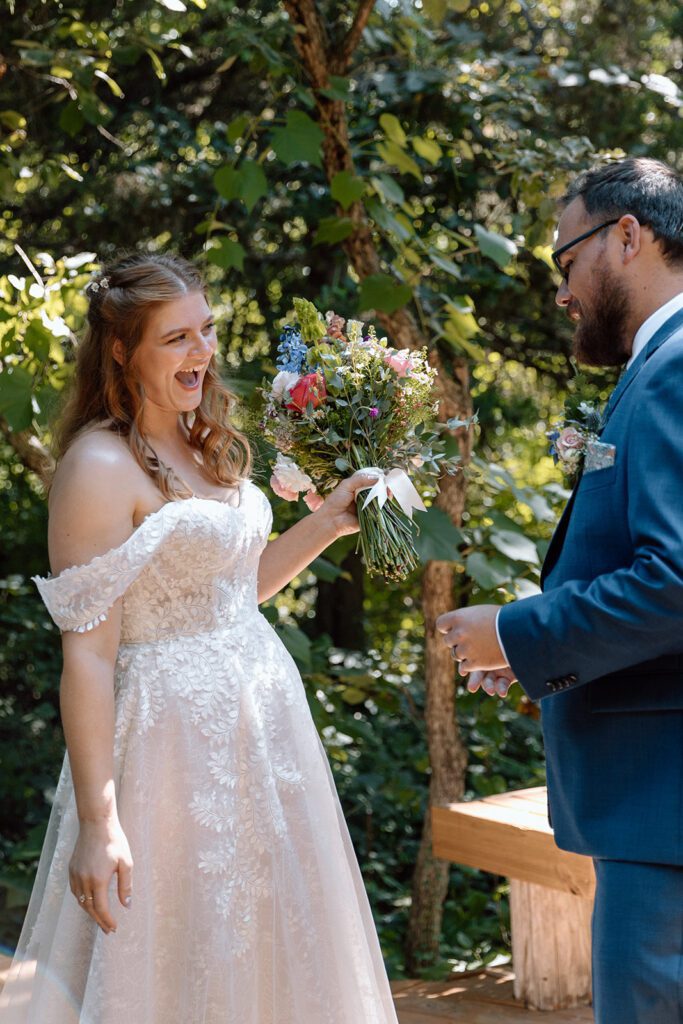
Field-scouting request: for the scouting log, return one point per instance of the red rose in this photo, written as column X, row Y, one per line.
column 309, row 388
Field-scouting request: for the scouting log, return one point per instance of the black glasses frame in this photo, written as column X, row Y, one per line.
column 555, row 256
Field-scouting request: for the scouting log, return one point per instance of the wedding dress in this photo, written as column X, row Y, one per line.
column 248, row 904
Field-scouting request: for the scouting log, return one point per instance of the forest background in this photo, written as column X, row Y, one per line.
column 393, row 160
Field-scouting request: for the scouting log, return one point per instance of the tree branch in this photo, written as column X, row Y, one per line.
column 34, row 455
column 341, row 60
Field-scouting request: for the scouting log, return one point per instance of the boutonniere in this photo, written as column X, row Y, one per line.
column 569, row 440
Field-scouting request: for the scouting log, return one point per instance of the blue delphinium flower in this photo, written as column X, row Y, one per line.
column 291, row 350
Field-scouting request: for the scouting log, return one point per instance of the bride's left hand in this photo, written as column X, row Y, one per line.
column 339, row 508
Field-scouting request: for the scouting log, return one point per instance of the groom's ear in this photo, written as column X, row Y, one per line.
column 632, row 239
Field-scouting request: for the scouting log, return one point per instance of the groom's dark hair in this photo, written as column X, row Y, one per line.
column 648, row 189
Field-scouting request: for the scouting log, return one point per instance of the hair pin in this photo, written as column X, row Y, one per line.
column 103, row 283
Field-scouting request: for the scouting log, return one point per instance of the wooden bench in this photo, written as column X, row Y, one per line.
column 551, row 891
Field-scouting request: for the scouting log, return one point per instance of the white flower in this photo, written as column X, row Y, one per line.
column 290, row 476
column 354, row 330
column 284, row 380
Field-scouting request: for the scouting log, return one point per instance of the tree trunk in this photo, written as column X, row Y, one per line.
column 339, row 606
column 321, row 57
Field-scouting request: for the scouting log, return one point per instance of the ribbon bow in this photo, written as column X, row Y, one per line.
column 401, row 486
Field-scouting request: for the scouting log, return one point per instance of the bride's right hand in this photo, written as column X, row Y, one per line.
column 101, row 850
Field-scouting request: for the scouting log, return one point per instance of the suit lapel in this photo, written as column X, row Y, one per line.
column 666, row 331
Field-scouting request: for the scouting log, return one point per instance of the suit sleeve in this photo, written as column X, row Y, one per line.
column 583, row 630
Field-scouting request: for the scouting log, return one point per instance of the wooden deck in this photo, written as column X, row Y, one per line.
column 482, row 998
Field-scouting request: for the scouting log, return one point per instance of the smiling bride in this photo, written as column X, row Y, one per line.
column 195, row 793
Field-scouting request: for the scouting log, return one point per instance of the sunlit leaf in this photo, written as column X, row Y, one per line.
column 428, row 149
column 391, row 126
column 393, row 155
column 497, row 247
column 515, row 545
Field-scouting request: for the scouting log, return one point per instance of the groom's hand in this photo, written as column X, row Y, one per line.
column 495, row 682
column 472, row 634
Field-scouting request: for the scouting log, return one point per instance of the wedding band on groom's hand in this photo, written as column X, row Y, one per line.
column 454, row 653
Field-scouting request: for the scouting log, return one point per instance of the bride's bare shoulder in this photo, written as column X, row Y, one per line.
column 93, row 498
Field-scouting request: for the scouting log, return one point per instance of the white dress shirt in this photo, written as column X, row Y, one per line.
column 646, row 331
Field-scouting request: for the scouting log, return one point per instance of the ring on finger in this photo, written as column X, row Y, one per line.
column 454, row 653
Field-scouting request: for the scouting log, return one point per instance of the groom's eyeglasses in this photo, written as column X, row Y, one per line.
column 555, row 256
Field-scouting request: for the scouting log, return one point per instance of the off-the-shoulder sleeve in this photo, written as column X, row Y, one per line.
column 80, row 597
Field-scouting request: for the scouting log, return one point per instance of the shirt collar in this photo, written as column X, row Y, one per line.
column 650, row 326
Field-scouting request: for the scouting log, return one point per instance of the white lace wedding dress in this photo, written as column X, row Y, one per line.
column 248, row 904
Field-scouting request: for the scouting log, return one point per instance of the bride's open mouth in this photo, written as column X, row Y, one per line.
column 189, row 379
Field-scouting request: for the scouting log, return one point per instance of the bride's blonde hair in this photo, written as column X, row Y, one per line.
column 106, row 393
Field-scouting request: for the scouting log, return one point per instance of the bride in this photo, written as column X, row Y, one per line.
column 196, row 868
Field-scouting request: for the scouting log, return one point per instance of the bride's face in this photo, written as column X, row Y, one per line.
column 178, row 341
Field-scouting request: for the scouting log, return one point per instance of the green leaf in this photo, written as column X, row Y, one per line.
column 237, row 127
column 393, row 155
column 12, row 119
column 383, row 293
column 438, row 537
column 156, row 64
column 298, row 645
column 114, row 86
column 299, row 140
column 515, row 545
column 346, row 188
column 484, row 572
column 435, row 10
column 254, row 184
column 333, row 229
column 38, row 339
column 228, row 182
column 15, row 397
column 71, row 119
column 339, row 89
column 226, row 254
column 388, row 189
column 498, row 248
column 391, row 126
column 326, row 570
column 428, row 149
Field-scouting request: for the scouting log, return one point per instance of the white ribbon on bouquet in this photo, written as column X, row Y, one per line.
column 401, row 487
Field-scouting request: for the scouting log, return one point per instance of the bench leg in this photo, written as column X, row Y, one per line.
column 551, row 946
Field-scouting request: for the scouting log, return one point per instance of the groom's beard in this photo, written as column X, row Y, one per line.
column 603, row 335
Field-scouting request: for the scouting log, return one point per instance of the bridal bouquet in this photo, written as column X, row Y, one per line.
column 344, row 400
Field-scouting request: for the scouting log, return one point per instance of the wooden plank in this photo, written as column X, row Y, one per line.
column 508, row 835
column 482, row 998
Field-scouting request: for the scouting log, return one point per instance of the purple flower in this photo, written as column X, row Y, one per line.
column 374, row 412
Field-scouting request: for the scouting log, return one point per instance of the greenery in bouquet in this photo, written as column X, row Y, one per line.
column 344, row 400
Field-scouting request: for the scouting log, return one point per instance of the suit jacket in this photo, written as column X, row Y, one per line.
column 602, row 646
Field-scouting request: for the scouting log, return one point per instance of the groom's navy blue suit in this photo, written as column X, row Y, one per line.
column 604, row 644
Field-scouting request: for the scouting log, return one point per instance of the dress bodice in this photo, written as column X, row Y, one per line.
column 190, row 567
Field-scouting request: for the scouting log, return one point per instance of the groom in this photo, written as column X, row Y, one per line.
column 602, row 646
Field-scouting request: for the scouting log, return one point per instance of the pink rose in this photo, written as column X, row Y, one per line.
column 281, row 490
column 399, row 362
column 313, row 500
column 569, row 442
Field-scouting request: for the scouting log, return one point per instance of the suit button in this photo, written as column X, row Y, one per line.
column 550, row 684
column 572, row 678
